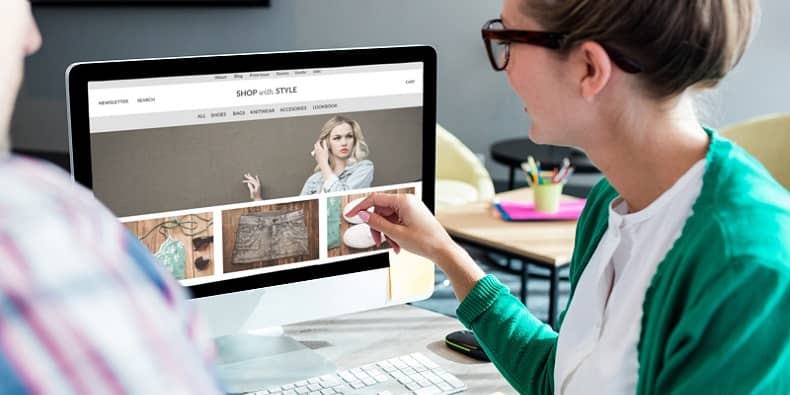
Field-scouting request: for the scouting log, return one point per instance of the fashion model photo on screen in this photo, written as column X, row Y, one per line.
column 680, row 275
column 340, row 154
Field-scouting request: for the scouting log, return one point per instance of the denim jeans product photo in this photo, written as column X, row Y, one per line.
column 270, row 235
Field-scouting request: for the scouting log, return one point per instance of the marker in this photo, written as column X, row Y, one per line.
column 567, row 175
column 565, row 164
column 527, row 172
column 534, row 169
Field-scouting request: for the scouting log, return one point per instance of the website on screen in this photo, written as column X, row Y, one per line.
column 229, row 175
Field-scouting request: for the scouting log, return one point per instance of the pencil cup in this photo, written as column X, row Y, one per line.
column 547, row 197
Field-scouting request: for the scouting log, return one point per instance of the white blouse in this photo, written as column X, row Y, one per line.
column 596, row 348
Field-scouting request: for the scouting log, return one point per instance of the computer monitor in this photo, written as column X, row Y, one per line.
column 175, row 146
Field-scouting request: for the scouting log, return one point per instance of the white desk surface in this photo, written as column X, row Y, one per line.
column 361, row 338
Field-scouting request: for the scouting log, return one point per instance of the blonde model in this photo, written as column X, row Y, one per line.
column 341, row 165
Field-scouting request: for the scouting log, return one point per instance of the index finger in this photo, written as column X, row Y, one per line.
column 376, row 200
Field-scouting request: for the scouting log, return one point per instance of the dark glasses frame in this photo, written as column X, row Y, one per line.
column 550, row 40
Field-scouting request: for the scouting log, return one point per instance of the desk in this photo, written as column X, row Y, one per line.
column 357, row 339
column 544, row 244
column 512, row 152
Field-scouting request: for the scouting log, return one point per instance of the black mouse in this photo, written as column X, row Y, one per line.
column 465, row 342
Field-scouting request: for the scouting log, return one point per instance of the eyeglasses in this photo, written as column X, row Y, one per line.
column 497, row 41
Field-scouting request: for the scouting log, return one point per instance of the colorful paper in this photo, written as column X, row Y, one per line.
column 523, row 211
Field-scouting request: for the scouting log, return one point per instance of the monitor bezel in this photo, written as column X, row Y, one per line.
column 79, row 75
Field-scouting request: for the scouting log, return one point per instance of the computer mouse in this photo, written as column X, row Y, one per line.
column 466, row 343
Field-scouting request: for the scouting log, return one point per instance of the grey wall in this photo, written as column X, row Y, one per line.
column 176, row 168
column 473, row 102
column 760, row 84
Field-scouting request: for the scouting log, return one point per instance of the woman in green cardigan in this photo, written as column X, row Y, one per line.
column 680, row 277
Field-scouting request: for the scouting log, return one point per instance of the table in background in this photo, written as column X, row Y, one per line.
column 547, row 244
column 512, row 152
column 353, row 340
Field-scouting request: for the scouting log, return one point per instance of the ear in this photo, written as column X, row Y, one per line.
column 597, row 69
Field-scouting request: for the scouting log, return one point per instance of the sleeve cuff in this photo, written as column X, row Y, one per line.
column 480, row 299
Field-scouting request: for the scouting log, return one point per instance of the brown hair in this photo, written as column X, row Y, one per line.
column 679, row 44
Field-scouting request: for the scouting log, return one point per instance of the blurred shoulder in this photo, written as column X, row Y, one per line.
column 40, row 206
column 33, row 186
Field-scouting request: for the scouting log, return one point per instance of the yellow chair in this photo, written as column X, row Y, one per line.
column 460, row 177
column 766, row 138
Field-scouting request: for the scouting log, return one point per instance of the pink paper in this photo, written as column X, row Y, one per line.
column 521, row 211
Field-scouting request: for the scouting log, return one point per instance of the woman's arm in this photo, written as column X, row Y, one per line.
column 521, row 346
column 734, row 339
column 307, row 187
column 360, row 177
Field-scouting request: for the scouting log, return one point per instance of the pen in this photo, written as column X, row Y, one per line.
column 565, row 164
column 533, row 168
column 561, row 174
column 540, row 177
column 567, row 175
column 525, row 168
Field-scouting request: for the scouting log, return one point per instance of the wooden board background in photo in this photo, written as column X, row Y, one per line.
column 344, row 225
column 230, row 222
column 155, row 239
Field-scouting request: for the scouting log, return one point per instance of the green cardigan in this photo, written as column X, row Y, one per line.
column 717, row 311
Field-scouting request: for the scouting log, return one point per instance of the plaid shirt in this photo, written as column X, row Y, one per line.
column 84, row 308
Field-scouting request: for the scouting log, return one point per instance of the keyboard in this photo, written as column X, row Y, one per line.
column 412, row 374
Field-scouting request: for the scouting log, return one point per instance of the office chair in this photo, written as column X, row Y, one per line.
column 460, row 176
column 767, row 138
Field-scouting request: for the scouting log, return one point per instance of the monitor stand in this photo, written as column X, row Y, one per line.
column 249, row 362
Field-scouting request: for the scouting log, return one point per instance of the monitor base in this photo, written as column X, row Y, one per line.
column 251, row 362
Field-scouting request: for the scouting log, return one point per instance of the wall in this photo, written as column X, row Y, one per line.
column 760, row 84
column 473, row 102
column 176, row 168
